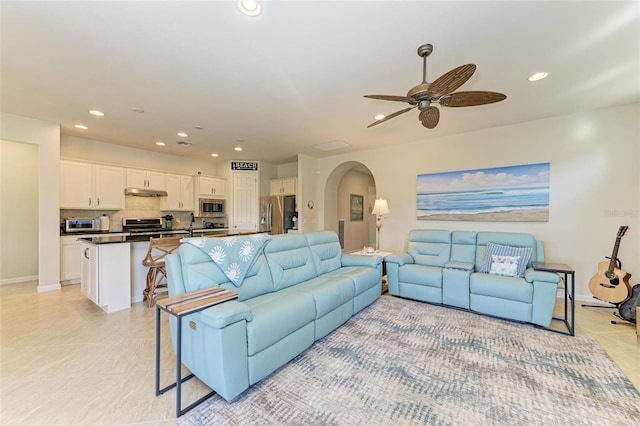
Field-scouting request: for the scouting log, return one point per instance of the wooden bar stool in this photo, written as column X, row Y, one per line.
column 154, row 260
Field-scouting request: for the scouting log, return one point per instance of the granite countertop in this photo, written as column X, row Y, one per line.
column 112, row 239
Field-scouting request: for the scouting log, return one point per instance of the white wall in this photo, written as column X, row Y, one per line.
column 18, row 212
column 74, row 148
column 47, row 137
column 594, row 161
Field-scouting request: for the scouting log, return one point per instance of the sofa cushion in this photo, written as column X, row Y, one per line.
column 275, row 316
column 510, row 288
column 325, row 249
column 429, row 247
column 329, row 292
column 522, row 253
column 363, row 277
column 290, row 260
column 420, row 274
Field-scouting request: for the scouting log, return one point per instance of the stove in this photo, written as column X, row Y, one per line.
column 147, row 226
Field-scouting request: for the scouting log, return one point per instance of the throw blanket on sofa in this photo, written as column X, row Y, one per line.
column 234, row 255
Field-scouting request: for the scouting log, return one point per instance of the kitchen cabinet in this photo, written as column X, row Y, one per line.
column 146, row 179
column 70, row 256
column 69, row 259
column 212, row 187
column 105, row 274
column 285, row 186
column 86, row 186
column 179, row 193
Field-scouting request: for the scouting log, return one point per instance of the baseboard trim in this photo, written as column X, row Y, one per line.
column 51, row 287
column 19, row 280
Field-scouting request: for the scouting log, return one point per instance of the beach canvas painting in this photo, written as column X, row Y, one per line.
column 500, row 194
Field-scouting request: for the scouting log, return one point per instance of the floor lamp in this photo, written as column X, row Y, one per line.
column 381, row 207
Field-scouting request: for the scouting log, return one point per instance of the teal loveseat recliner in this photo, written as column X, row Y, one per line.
column 455, row 268
column 298, row 289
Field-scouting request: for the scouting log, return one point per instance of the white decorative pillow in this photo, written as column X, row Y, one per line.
column 500, row 250
column 504, row 265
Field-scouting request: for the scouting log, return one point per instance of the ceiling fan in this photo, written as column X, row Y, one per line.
column 441, row 91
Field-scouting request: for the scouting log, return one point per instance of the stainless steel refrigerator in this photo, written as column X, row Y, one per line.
column 277, row 213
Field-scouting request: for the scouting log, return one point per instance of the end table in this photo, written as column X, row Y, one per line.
column 567, row 271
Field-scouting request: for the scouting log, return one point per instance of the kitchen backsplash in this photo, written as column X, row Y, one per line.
column 140, row 207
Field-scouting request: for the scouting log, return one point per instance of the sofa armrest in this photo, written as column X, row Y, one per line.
column 226, row 313
column 361, row 260
column 399, row 258
column 464, row 266
column 532, row 275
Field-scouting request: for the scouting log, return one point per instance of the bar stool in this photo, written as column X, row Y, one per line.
column 154, row 260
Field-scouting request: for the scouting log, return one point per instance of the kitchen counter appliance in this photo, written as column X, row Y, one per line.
column 80, row 225
column 146, row 226
column 277, row 213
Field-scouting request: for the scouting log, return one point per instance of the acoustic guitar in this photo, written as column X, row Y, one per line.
column 611, row 284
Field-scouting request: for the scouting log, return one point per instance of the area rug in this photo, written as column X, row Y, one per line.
column 404, row 362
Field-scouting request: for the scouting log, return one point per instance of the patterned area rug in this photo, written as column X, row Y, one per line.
column 404, row 362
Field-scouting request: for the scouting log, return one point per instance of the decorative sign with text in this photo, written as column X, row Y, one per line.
column 244, row 165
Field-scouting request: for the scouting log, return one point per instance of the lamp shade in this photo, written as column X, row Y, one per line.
column 380, row 207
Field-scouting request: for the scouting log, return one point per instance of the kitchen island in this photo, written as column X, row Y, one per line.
column 112, row 273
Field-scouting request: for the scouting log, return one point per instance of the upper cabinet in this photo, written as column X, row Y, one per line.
column 285, row 186
column 179, row 193
column 146, row 179
column 212, row 187
column 91, row 186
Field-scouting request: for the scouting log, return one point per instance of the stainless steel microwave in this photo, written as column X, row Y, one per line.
column 211, row 208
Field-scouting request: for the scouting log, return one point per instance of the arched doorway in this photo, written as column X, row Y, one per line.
column 348, row 185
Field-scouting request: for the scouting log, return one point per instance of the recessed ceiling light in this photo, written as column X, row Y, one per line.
column 249, row 7
column 160, row 143
column 538, row 76
column 238, row 148
column 214, row 155
column 96, row 113
column 183, row 135
column 379, row 116
column 81, row 126
column 137, row 109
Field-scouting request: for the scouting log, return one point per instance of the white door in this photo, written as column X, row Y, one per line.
column 245, row 201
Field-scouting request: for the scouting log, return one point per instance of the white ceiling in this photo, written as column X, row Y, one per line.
column 295, row 75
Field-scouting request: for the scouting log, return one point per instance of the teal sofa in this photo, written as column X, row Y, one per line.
column 453, row 268
column 298, row 289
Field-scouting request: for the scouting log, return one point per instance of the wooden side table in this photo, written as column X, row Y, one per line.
column 179, row 306
column 567, row 271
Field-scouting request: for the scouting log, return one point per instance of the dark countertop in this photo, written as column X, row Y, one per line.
column 106, row 239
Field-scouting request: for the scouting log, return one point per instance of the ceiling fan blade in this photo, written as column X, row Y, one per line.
column 392, row 98
column 453, row 79
column 472, row 98
column 390, row 116
column 430, row 117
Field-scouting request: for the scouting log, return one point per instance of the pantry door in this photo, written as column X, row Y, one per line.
column 245, row 201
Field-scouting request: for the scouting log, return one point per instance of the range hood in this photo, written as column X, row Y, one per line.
column 140, row 192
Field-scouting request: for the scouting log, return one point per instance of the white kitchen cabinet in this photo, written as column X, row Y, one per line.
column 86, row 186
column 211, row 187
column 106, row 274
column 146, row 179
column 70, row 256
column 285, row 186
column 179, row 193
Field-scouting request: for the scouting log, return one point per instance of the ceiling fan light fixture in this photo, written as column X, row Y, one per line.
column 538, row 76
column 249, row 7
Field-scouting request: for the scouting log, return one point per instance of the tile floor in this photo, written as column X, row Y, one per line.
column 64, row 361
